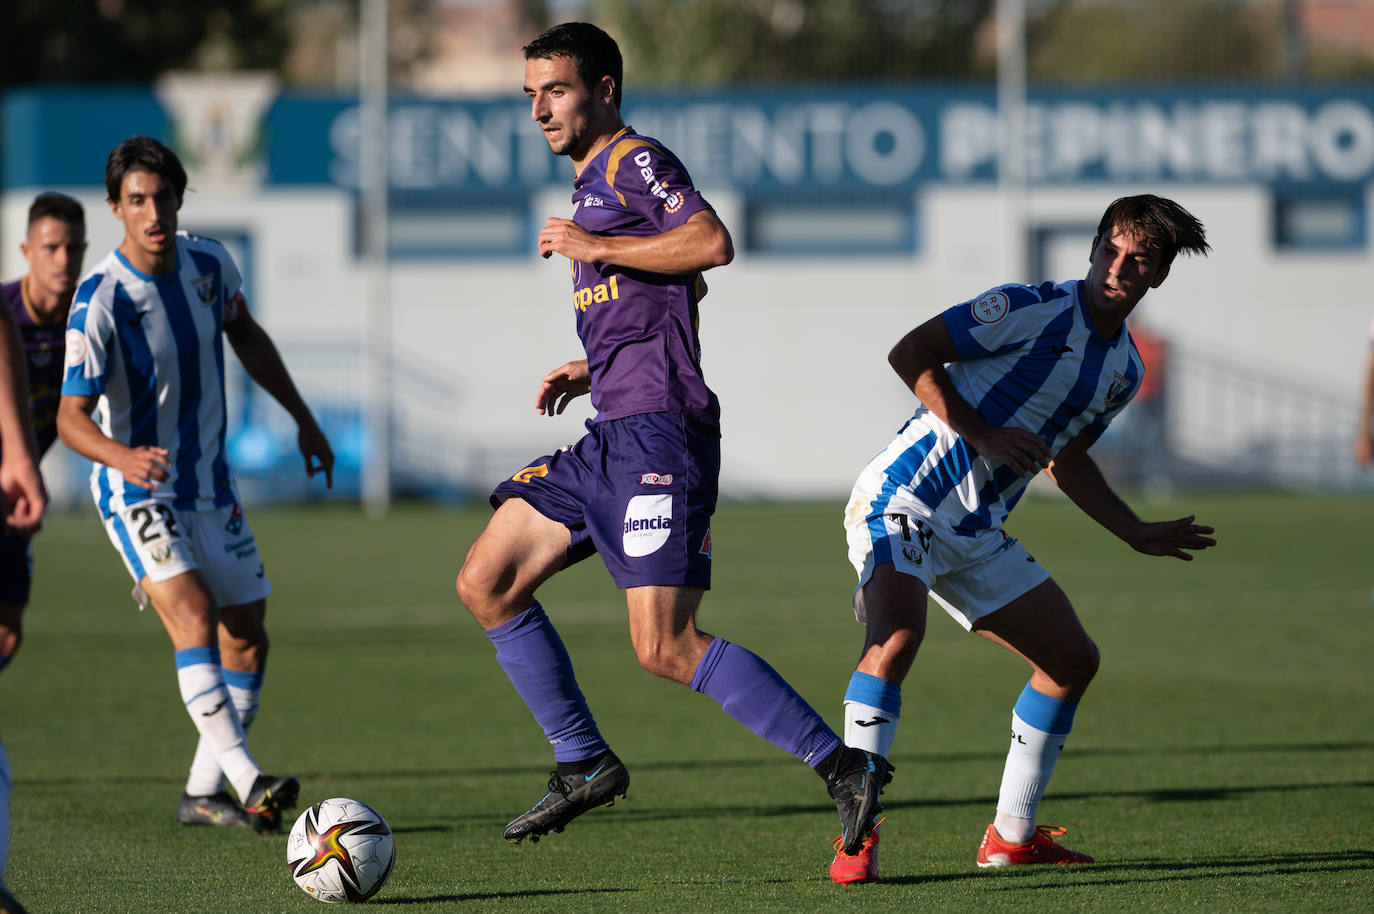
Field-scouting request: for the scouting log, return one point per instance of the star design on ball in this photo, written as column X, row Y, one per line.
column 325, row 846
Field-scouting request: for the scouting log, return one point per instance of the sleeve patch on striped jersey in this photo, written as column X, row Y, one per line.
column 76, row 347
column 991, row 308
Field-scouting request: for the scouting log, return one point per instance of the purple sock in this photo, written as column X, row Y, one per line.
column 754, row 694
column 530, row 651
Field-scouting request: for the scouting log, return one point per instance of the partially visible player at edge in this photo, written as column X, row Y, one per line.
column 1020, row 378
column 145, row 340
column 641, row 485
column 34, row 309
column 37, row 303
column 1364, row 432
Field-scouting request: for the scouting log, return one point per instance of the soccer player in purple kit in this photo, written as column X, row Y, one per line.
column 33, row 323
column 54, row 245
column 640, row 487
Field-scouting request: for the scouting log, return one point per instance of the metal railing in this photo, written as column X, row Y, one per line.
column 1228, row 423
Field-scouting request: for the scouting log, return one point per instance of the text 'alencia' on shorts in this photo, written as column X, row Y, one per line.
column 159, row 542
column 970, row 576
column 639, row 490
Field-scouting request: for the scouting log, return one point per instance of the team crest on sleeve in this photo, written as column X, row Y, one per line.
column 205, row 288
column 991, row 308
column 76, row 347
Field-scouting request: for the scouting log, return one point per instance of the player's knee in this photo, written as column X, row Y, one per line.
column 1083, row 666
column 252, row 655
column 480, row 594
column 473, row 588
column 661, row 659
column 10, row 639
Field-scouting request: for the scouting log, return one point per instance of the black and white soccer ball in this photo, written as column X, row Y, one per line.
column 340, row 850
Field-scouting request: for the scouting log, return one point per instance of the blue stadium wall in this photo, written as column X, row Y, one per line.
column 856, row 213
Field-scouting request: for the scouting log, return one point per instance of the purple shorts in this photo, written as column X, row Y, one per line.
column 639, row 490
column 16, row 567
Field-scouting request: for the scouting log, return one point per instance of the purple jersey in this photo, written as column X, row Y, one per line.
column 639, row 329
column 44, row 345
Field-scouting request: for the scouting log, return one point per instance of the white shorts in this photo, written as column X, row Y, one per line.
column 970, row 576
column 159, row 542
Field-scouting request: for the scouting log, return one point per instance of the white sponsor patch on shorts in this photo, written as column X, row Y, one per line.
column 648, row 521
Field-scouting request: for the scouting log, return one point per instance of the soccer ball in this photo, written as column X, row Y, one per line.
column 340, row 850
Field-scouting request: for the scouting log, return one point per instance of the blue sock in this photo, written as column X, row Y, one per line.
column 530, row 651
column 872, row 709
column 754, row 694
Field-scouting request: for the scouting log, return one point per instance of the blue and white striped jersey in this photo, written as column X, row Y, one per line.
column 152, row 349
column 1029, row 358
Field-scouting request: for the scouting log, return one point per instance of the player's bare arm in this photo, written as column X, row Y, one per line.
column 1364, row 436
column 24, row 497
column 1079, row 477
column 561, row 386
column 919, row 359
column 264, row 365
column 144, row 466
column 702, row 242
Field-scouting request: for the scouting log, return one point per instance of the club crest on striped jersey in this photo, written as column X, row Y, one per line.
column 1116, row 394
column 991, row 308
column 205, row 288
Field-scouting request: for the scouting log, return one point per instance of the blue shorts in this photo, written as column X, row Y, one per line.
column 639, row 490
column 16, row 567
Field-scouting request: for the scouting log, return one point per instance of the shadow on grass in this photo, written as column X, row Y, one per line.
column 625, row 811
column 781, row 761
column 493, row 896
column 1134, row 872
column 1160, row 795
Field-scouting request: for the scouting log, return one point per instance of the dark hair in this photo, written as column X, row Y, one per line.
column 143, row 153
column 51, row 204
column 594, row 53
column 1161, row 224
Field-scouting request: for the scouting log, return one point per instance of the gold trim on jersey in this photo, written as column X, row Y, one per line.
column 59, row 315
column 620, row 149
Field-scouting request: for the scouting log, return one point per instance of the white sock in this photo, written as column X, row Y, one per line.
column 4, row 811
column 207, row 702
column 1030, row 762
column 869, row 728
column 872, row 708
column 205, row 777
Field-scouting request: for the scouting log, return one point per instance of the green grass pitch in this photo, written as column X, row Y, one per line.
column 1223, row 759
